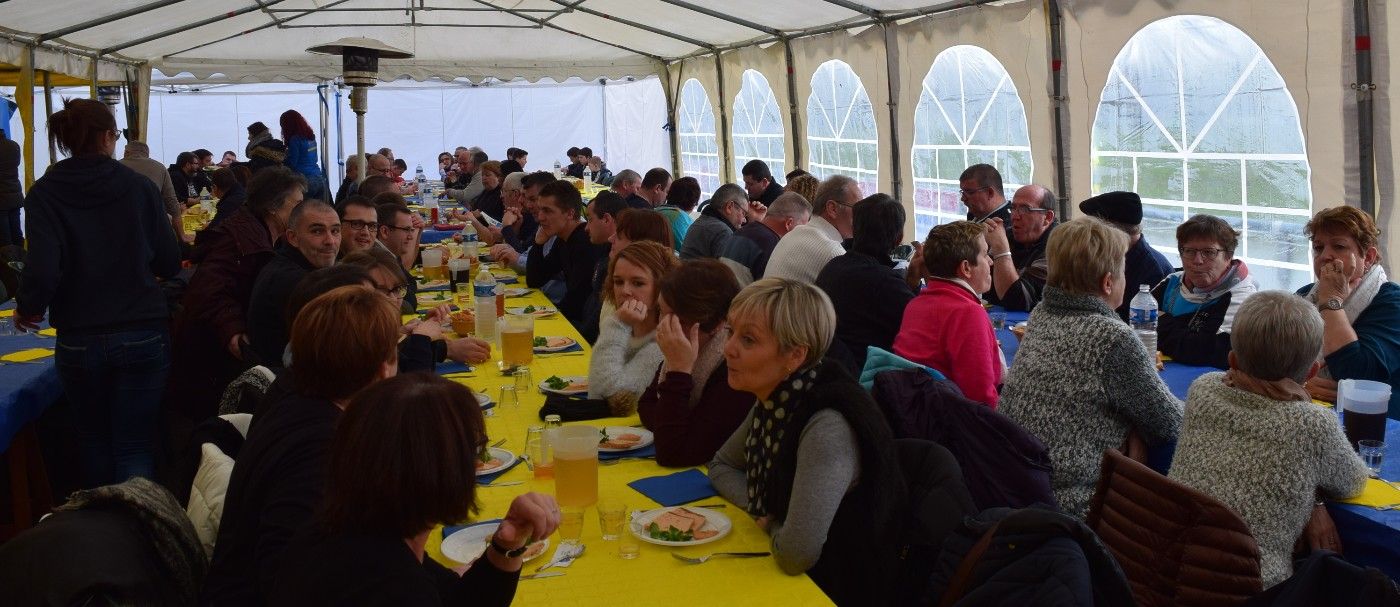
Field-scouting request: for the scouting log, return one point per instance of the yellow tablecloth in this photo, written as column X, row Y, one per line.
column 600, row 577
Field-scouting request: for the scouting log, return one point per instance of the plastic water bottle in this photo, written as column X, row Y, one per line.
column 469, row 232
column 558, row 170
column 419, row 177
column 587, row 176
column 1142, row 315
column 484, row 293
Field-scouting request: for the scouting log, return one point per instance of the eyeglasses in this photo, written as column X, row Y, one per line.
column 1207, row 254
column 394, row 293
column 368, row 226
column 400, row 228
column 972, row 191
column 1021, row 210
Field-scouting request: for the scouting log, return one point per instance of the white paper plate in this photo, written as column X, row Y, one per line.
column 467, row 545
column 484, row 400
column 572, row 379
column 517, row 292
column 540, row 311
column 714, row 521
column 507, row 458
column 647, row 438
column 548, row 349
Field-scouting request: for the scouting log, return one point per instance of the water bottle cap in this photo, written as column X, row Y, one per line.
column 1144, row 288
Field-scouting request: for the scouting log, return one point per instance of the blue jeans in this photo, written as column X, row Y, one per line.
column 114, row 383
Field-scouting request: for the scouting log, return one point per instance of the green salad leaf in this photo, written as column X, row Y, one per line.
column 529, row 310
column 541, row 342
column 556, row 383
column 670, row 534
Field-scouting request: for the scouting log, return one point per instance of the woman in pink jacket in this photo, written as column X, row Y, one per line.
column 945, row 326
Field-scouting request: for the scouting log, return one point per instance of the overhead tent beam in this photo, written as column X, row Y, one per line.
column 546, row 23
column 268, row 12
column 578, row 6
column 413, row 9
column 771, row 31
column 857, row 7
column 131, row 12
column 893, row 84
column 303, row 13
column 797, row 149
column 555, row 13
column 466, row 25
column 185, row 28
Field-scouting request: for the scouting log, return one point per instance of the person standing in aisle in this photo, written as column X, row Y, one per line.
column 302, row 155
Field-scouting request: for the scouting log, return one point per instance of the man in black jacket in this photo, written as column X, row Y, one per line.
column 312, row 241
column 1019, row 269
column 182, row 177
column 11, row 194
column 573, row 254
column 759, row 182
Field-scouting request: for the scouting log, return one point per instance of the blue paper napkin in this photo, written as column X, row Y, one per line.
column 452, row 366
column 675, row 489
column 487, row 479
column 574, row 348
column 442, row 287
column 507, row 280
column 647, row 451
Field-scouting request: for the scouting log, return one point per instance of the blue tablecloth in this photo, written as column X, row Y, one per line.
column 1370, row 537
column 433, row 236
column 25, row 389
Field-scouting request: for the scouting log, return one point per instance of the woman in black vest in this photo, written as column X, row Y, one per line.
column 814, row 462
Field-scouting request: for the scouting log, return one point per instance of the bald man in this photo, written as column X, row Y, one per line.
column 1019, row 268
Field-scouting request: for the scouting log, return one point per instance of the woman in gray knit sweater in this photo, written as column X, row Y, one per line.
column 1253, row 440
column 1081, row 379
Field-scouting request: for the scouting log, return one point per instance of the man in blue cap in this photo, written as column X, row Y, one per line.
column 1144, row 265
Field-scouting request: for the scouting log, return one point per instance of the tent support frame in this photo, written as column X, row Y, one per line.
column 1057, row 105
column 1365, row 107
column 726, row 169
column 798, row 151
column 893, row 87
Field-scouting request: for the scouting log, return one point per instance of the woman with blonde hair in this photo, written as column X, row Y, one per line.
column 1082, row 380
column 626, row 356
column 814, row 460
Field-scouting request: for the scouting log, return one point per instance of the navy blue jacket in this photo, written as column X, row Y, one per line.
column 1375, row 355
column 1144, row 266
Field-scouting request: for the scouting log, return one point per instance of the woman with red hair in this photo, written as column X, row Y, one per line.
column 302, row 154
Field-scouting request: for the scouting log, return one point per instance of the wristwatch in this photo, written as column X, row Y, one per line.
column 508, row 553
column 1332, row 303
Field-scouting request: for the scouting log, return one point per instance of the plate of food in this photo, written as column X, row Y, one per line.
column 680, row 526
column 545, row 345
column 536, row 311
column 430, row 285
column 469, row 543
column 616, row 439
column 567, row 385
column 493, row 459
column 517, row 292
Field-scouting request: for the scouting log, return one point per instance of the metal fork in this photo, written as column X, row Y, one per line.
column 696, row 560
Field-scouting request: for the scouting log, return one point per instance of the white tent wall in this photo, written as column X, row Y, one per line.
column 1385, row 30
column 771, row 64
column 702, row 69
column 864, row 52
column 635, row 120
column 1306, row 41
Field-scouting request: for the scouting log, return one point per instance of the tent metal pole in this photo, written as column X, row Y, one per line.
column 303, row 13
column 24, row 97
column 339, row 139
column 641, row 26
column 669, row 90
column 48, row 113
column 105, row 19
column 709, row 12
column 797, row 149
column 893, row 84
column 1365, row 107
column 92, row 88
column 325, row 132
column 721, row 137
column 185, row 28
column 1057, row 104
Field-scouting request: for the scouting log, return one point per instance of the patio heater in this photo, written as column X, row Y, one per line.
column 359, row 64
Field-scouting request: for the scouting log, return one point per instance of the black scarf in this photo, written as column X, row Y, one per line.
column 770, row 419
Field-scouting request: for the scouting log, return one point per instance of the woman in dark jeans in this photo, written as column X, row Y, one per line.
column 98, row 238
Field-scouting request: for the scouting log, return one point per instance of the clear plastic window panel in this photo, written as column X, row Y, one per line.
column 1196, row 119
column 969, row 112
column 699, row 148
column 841, row 134
column 758, row 126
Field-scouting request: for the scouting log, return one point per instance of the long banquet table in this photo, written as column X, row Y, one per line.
column 1369, row 536
column 600, row 577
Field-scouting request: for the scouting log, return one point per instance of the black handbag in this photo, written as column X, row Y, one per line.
column 571, row 409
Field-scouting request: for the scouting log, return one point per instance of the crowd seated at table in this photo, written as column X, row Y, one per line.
column 741, row 337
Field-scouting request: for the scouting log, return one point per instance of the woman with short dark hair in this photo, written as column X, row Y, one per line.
column 689, row 405
column 280, row 470
column 636, row 225
column 1199, row 301
column 98, row 239
column 401, row 463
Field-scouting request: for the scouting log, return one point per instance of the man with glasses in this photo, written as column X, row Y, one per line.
column 980, row 188
column 1144, row 265
column 398, row 236
column 359, row 225
column 803, row 252
column 1019, row 268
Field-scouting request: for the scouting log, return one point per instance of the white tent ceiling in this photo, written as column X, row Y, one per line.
column 265, row 40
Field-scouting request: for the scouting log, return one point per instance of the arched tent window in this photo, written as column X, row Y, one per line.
column 969, row 113
column 1195, row 119
column 758, row 126
column 841, row 135
column 699, row 148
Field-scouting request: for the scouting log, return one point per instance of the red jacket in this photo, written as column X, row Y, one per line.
column 947, row 328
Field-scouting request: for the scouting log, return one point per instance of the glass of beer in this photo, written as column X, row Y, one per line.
column 518, row 339
column 576, row 466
